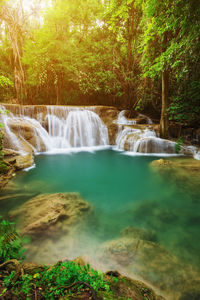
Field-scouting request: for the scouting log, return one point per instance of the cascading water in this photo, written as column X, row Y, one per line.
column 140, row 138
column 23, row 133
column 131, row 138
column 122, row 120
column 4, row 119
column 55, row 128
column 197, row 155
column 39, row 130
column 80, row 128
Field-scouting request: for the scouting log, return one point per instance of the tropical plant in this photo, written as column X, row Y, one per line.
column 178, row 145
column 10, row 242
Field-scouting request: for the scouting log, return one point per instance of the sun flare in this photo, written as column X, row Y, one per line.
column 30, row 5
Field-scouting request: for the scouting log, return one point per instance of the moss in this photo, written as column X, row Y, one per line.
column 106, row 295
column 127, row 288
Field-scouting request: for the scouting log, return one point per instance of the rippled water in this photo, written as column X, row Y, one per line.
column 124, row 191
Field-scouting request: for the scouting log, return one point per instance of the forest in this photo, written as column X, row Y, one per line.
column 133, row 54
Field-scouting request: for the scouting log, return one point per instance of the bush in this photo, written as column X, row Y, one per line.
column 10, row 242
column 178, row 145
column 64, row 279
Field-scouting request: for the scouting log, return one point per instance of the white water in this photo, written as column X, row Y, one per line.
column 4, row 119
column 61, row 128
column 122, row 120
column 133, row 137
column 139, row 138
column 80, row 128
column 142, row 139
column 136, row 139
column 197, row 155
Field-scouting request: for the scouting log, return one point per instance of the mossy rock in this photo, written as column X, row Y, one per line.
column 126, row 288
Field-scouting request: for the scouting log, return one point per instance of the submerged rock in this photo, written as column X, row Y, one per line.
column 151, row 262
column 153, row 216
column 47, row 213
column 182, row 171
column 122, row 288
column 140, row 233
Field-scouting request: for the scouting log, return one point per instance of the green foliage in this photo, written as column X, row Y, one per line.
column 66, row 273
column 53, row 282
column 184, row 107
column 178, row 145
column 5, row 82
column 10, row 242
column 105, row 52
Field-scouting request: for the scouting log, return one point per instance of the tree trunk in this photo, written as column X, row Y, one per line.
column 164, row 121
column 130, row 57
column 130, row 33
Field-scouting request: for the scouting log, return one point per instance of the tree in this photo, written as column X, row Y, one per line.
column 123, row 18
column 169, row 28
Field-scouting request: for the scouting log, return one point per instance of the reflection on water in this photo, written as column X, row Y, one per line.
column 143, row 223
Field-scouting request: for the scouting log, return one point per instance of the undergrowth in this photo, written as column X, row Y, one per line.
column 64, row 279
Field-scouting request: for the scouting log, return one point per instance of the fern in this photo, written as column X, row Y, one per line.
column 10, row 242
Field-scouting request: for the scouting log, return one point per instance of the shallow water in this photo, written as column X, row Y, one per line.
column 124, row 192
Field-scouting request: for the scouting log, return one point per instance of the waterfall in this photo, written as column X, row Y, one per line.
column 138, row 138
column 50, row 128
column 80, row 128
column 197, row 155
column 122, row 120
column 4, row 119
column 132, row 138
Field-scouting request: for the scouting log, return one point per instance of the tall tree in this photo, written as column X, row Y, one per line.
column 168, row 26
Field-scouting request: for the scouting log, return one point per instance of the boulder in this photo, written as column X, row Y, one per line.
column 156, row 145
column 48, row 213
column 140, row 233
column 182, row 168
column 151, row 262
column 182, row 171
column 28, row 134
column 20, row 162
column 122, row 288
column 10, row 152
column 109, row 116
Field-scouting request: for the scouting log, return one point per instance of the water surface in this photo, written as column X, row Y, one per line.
column 124, row 192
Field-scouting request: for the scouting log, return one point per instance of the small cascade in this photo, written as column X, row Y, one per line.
column 80, row 128
column 154, row 145
column 42, row 139
column 148, row 120
column 23, row 133
column 50, row 128
column 122, row 120
column 197, row 155
column 4, row 119
column 130, row 138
